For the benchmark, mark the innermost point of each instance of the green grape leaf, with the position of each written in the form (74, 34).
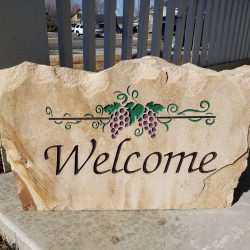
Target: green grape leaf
(138, 110)
(130, 105)
(132, 116)
(155, 107)
(135, 112)
(112, 107)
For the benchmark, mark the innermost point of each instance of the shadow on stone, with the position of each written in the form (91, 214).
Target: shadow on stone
(4, 164)
(244, 183)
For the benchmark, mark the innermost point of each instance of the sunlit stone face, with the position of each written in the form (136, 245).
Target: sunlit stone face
(145, 134)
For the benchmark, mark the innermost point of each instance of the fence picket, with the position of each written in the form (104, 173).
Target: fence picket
(247, 45)
(127, 28)
(89, 52)
(109, 33)
(220, 30)
(232, 25)
(206, 32)
(198, 31)
(236, 33)
(143, 28)
(242, 26)
(157, 28)
(213, 33)
(245, 38)
(169, 29)
(228, 15)
(189, 31)
(179, 34)
(63, 15)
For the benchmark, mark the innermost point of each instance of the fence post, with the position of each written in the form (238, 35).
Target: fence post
(143, 28)
(189, 31)
(169, 29)
(241, 29)
(127, 28)
(109, 33)
(157, 28)
(232, 25)
(236, 30)
(220, 29)
(89, 52)
(206, 32)
(198, 32)
(63, 15)
(179, 34)
(228, 16)
(247, 26)
(213, 32)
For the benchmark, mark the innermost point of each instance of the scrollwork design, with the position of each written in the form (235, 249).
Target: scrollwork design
(49, 112)
(134, 94)
(69, 124)
(138, 132)
(121, 96)
(165, 122)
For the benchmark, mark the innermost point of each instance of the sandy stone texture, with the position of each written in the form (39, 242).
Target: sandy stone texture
(199, 151)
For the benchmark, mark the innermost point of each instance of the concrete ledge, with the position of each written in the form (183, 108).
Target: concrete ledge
(160, 229)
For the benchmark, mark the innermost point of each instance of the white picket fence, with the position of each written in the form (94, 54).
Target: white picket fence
(205, 32)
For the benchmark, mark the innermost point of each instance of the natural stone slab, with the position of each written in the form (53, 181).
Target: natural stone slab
(55, 126)
(197, 229)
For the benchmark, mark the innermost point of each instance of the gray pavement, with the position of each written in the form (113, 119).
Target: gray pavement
(77, 42)
(206, 229)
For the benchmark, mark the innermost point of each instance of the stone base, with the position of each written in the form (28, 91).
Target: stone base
(227, 228)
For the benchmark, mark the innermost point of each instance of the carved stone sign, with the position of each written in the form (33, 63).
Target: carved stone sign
(144, 134)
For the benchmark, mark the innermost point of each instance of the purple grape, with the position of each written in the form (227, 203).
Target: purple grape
(119, 120)
(148, 122)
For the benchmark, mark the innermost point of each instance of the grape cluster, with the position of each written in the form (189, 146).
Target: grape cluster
(119, 120)
(148, 121)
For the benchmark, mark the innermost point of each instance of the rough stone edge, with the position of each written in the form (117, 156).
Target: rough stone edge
(14, 235)
(234, 170)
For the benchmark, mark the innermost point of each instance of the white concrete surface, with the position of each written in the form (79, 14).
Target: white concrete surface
(170, 229)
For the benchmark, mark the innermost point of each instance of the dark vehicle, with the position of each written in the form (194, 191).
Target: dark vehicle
(163, 26)
(99, 29)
